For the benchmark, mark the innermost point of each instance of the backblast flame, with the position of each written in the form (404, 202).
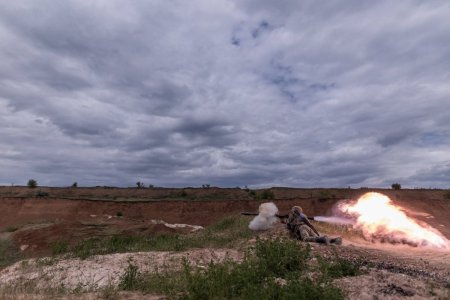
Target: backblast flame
(379, 219)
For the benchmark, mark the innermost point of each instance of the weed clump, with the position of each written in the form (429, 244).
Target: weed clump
(8, 253)
(337, 268)
(129, 279)
(11, 228)
(59, 247)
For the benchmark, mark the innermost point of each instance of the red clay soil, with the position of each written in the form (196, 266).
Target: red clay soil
(212, 204)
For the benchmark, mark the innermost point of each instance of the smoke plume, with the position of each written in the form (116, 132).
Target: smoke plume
(334, 220)
(266, 218)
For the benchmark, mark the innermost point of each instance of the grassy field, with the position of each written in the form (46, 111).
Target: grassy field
(228, 232)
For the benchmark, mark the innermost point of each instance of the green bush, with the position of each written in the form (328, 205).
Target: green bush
(41, 194)
(447, 194)
(278, 257)
(32, 183)
(396, 186)
(324, 195)
(242, 281)
(267, 194)
(258, 276)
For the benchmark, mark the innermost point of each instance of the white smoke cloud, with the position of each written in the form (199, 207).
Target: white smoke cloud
(266, 218)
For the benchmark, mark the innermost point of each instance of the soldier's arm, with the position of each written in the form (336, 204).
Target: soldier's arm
(311, 226)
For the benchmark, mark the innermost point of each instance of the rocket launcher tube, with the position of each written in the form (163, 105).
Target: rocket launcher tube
(277, 215)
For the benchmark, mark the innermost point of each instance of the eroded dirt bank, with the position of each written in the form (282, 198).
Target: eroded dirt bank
(195, 206)
(20, 210)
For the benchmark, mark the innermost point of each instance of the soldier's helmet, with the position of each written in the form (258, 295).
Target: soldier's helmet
(297, 210)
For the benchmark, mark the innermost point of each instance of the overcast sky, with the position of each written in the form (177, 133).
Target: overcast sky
(229, 93)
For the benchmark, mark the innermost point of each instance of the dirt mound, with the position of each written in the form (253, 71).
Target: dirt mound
(38, 239)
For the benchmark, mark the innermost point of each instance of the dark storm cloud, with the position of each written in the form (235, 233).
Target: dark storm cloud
(208, 133)
(436, 173)
(259, 93)
(155, 162)
(395, 137)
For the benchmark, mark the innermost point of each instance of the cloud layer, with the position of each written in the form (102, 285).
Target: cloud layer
(227, 93)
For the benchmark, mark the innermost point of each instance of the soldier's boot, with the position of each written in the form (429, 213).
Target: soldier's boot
(310, 239)
(323, 240)
(337, 241)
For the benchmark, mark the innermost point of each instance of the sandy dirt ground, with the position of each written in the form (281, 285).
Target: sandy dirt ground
(396, 273)
(389, 271)
(101, 271)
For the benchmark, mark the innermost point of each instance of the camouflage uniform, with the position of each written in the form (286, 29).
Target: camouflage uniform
(298, 225)
(298, 228)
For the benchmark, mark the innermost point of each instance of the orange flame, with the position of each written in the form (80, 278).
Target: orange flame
(380, 219)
